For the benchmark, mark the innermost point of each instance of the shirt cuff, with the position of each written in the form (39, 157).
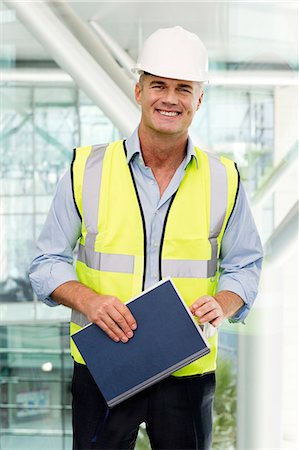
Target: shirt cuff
(49, 278)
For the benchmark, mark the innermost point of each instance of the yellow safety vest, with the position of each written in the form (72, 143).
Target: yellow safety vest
(112, 249)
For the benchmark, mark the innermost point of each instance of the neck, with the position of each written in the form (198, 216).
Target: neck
(160, 151)
(163, 154)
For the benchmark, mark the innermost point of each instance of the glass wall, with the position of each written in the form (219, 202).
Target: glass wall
(35, 387)
(40, 127)
(238, 122)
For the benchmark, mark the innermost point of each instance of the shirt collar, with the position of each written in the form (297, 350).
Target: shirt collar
(133, 149)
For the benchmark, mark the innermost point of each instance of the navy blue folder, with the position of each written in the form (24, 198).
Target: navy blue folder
(167, 338)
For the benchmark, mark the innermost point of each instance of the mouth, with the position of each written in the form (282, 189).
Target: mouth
(168, 113)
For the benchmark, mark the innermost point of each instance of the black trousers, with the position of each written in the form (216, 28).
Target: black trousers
(177, 413)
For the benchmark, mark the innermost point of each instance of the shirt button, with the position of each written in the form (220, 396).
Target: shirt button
(155, 275)
(152, 182)
(155, 244)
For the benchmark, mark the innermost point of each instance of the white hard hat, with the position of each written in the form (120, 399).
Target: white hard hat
(174, 53)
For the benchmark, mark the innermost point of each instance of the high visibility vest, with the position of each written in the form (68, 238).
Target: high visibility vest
(112, 249)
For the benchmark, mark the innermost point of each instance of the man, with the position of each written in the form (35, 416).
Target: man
(149, 207)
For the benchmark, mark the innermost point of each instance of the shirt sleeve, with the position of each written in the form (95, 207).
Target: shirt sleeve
(241, 256)
(53, 261)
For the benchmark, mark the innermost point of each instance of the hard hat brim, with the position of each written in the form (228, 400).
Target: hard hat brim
(199, 76)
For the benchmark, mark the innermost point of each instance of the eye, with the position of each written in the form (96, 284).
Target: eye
(185, 89)
(157, 86)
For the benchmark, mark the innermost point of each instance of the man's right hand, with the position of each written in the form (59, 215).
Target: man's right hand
(112, 316)
(106, 311)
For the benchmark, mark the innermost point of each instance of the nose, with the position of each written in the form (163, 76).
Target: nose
(170, 97)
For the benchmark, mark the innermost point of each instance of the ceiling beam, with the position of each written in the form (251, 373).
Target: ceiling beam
(72, 57)
(95, 47)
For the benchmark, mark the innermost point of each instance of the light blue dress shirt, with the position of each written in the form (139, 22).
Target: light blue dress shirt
(241, 251)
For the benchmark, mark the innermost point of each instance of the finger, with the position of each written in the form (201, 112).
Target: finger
(216, 322)
(121, 321)
(107, 330)
(210, 316)
(112, 329)
(200, 302)
(111, 308)
(204, 309)
(128, 316)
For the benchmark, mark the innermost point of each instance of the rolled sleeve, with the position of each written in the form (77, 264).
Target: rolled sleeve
(53, 262)
(46, 275)
(241, 257)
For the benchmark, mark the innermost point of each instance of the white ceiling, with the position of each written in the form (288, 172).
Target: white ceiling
(236, 31)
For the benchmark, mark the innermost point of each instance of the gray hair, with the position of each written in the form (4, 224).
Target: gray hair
(142, 75)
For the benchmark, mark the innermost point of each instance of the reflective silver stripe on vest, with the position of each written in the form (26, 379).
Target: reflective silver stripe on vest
(218, 205)
(107, 262)
(90, 206)
(218, 197)
(79, 318)
(182, 268)
(91, 192)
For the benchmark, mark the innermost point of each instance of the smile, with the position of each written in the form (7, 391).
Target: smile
(168, 113)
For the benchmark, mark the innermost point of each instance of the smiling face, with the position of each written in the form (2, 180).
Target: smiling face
(168, 105)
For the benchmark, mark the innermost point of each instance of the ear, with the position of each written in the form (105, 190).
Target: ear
(199, 101)
(138, 90)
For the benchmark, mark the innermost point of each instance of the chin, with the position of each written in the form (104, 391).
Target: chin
(172, 131)
(166, 129)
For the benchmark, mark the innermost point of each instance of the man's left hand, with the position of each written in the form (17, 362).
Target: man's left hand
(207, 309)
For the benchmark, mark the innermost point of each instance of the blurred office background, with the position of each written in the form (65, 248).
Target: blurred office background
(65, 81)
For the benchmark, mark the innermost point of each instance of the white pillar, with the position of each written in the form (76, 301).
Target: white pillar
(259, 389)
(119, 53)
(285, 120)
(94, 46)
